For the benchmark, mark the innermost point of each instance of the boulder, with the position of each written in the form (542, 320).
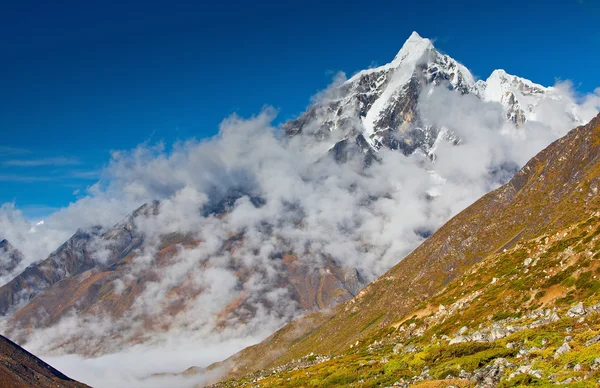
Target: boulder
(577, 311)
(488, 376)
(592, 340)
(564, 348)
(458, 340)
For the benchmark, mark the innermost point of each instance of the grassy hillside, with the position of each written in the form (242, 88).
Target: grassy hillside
(507, 316)
(521, 251)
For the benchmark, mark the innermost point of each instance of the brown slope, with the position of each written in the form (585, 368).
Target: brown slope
(21, 369)
(72, 258)
(559, 186)
(93, 294)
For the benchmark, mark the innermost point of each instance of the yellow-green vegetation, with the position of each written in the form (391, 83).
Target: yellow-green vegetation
(527, 294)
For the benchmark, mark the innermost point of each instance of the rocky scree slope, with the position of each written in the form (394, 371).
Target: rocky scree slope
(548, 212)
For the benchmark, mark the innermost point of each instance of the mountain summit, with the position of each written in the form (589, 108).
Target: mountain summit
(414, 47)
(379, 107)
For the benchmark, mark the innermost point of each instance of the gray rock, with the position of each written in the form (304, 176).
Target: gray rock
(458, 340)
(537, 373)
(564, 348)
(479, 336)
(577, 311)
(592, 340)
(410, 349)
(497, 333)
(523, 369)
(552, 317)
(397, 348)
(488, 376)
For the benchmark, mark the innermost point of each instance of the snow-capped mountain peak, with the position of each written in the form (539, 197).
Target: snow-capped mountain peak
(378, 107)
(413, 49)
(519, 96)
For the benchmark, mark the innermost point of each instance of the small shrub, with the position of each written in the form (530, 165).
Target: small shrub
(522, 380)
(447, 352)
(568, 282)
(559, 277)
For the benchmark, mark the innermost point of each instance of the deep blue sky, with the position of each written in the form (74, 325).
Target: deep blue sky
(80, 78)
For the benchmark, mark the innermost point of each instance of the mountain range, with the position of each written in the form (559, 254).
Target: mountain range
(108, 288)
(379, 107)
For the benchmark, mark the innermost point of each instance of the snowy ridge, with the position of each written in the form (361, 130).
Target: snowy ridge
(519, 96)
(411, 52)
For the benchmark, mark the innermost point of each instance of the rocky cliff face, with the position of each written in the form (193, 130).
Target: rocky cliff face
(10, 258)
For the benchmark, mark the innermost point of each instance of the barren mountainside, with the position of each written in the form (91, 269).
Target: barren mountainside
(73, 280)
